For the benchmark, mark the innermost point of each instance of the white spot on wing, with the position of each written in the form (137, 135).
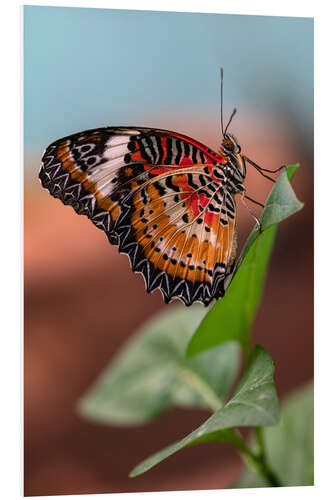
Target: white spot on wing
(115, 150)
(117, 140)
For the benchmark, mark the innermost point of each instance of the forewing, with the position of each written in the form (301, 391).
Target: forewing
(156, 194)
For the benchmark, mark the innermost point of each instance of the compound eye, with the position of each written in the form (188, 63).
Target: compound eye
(228, 144)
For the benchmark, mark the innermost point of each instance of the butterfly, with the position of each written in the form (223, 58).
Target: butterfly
(165, 199)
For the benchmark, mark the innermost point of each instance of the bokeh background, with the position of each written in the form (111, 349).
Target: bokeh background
(86, 68)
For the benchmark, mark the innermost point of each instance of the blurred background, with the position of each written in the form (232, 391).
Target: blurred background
(86, 68)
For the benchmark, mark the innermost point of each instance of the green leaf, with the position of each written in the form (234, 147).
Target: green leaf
(232, 316)
(289, 444)
(254, 403)
(151, 373)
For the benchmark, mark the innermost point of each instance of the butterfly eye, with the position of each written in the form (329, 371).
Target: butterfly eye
(228, 144)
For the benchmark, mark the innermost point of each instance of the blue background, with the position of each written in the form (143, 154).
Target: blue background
(88, 68)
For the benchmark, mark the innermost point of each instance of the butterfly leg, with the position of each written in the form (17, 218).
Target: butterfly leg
(250, 211)
(261, 170)
(254, 201)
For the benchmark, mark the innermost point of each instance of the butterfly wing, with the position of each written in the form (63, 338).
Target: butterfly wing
(160, 196)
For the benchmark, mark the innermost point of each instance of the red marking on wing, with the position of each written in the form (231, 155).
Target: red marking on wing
(209, 218)
(186, 162)
(193, 199)
(203, 199)
(164, 147)
(158, 170)
(137, 157)
(194, 202)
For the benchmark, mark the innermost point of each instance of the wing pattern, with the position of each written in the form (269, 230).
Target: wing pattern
(162, 197)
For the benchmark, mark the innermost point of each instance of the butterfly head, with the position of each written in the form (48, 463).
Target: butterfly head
(230, 145)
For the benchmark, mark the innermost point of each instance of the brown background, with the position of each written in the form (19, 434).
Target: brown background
(82, 302)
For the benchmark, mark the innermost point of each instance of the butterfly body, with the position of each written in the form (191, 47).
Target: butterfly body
(166, 200)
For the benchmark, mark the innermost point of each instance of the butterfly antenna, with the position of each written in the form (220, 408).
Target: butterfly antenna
(230, 119)
(221, 70)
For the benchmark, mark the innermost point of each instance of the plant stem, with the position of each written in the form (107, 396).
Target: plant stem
(257, 460)
(260, 442)
(271, 476)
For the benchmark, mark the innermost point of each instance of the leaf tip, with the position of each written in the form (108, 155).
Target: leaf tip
(139, 469)
(291, 169)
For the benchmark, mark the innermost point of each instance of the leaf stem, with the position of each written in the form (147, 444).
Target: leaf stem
(271, 476)
(257, 460)
(260, 441)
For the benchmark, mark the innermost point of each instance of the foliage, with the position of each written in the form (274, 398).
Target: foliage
(162, 366)
(254, 403)
(151, 373)
(289, 444)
